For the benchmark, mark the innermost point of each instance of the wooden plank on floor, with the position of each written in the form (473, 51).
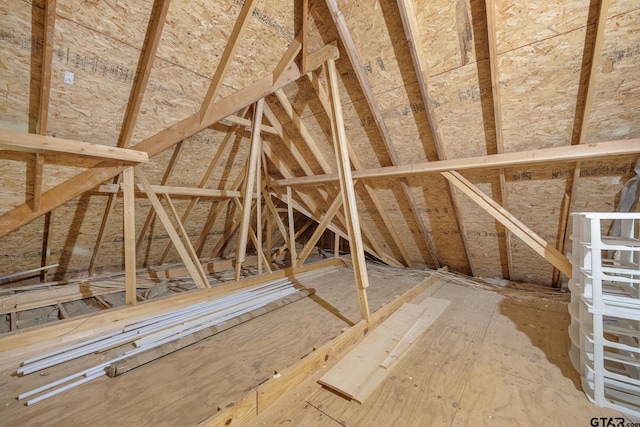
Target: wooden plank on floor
(434, 373)
(434, 308)
(359, 373)
(270, 391)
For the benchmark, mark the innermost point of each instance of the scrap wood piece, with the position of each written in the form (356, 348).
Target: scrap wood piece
(359, 373)
(130, 363)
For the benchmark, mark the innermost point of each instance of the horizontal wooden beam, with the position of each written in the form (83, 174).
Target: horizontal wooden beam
(56, 295)
(534, 241)
(18, 141)
(492, 161)
(177, 191)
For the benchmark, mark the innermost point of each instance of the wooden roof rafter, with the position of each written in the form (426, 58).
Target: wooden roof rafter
(231, 133)
(136, 95)
(584, 123)
(410, 24)
(145, 64)
(347, 40)
(45, 92)
(326, 167)
(318, 156)
(227, 58)
(497, 114)
(312, 210)
(323, 96)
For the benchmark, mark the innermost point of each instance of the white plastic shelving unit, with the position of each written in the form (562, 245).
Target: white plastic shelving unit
(605, 309)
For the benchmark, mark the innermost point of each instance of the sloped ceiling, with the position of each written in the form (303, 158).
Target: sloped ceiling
(543, 54)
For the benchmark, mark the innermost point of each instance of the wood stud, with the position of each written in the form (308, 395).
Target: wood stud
(254, 154)
(347, 190)
(497, 112)
(129, 236)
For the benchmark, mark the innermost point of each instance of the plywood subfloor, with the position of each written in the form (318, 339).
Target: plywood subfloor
(489, 359)
(190, 385)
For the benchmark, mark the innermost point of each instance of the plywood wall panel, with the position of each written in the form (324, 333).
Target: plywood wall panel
(15, 191)
(485, 236)
(75, 229)
(451, 33)
(254, 60)
(464, 110)
(21, 41)
(125, 21)
(522, 23)
(434, 205)
(172, 94)
(303, 97)
(406, 119)
(534, 196)
(92, 108)
(196, 33)
(539, 87)
(600, 183)
(404, 221)
(196, 155)
(616, 102)
(22, 249)
(379, 38)
(59, 168)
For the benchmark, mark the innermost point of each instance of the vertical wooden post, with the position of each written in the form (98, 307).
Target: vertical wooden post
(336, 245)
(305, 34)
(259, 206)
(48, 225)
(129, 236)
(292, 230)
(347, 190)
(254, 154)
(37, 181)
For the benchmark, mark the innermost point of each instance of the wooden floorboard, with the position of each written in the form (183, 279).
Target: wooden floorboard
(190, 385)
(490, 359)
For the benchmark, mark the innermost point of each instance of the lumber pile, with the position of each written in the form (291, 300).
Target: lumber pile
(159, 335)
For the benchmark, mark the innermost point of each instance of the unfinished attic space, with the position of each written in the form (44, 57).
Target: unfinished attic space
(319, 212)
